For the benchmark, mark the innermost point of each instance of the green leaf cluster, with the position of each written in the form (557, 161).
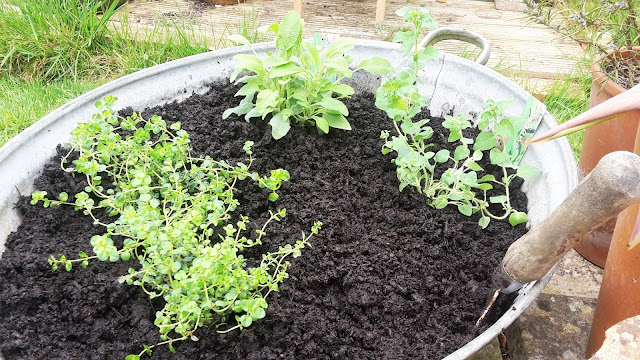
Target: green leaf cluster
(298, 83)
(398, 95)
(173, 212)
(462, 183)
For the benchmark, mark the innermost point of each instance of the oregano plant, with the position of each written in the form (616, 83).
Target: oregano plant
(461, 182)
(172, 212)
(298, 83)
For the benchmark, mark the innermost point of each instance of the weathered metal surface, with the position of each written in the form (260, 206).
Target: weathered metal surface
(451, 83)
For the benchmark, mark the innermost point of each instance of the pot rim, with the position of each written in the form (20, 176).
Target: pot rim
(601, 79)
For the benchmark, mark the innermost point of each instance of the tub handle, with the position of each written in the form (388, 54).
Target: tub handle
(452, 33)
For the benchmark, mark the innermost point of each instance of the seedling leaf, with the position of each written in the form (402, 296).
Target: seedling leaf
(238, 39)
(279, 126)
(442, 156)
(334, 105)
(377, 65)
(517, 218)
(527, 171)
(337, 121)
(485, 141)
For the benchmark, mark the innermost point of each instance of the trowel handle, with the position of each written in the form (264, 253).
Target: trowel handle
(611, 187)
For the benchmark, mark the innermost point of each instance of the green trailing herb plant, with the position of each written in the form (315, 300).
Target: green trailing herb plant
(461, 183)
(298, 83)
(172, 212)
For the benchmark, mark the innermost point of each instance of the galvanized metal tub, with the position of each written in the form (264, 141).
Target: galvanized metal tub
(453, 84)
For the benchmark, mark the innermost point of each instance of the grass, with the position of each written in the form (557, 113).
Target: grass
(22, 102)
(53, 55)
(137, 46)
(568, 97)
(55, 39)
(249, 25)
(56, 50)
(565, 98)
(51, 39)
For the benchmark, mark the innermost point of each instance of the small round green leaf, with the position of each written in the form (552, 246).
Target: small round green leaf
(461, 152)
(376, 65)
(465, 209)
(517, 218)
(259, 314)
(279, 126)
(498, 157)
(440, 202)
(474, 166)
(527, 171)
(246, 321)
(125, 256)
(504, 129)
(485, 141)
(442, 156)
(484, 222)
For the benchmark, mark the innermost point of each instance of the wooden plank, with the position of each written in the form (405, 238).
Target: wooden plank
(517, 46)
(297, 6)
(381, 7)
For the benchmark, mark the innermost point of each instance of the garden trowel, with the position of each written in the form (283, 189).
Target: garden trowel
(611, 187)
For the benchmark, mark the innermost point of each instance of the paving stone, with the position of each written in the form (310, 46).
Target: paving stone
(575, 276)
(622, 341)
(557, 324)
(553, 327)
(510, 5)
(490, 352)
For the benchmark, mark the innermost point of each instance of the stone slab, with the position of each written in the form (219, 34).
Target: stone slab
(622, 341)
(557, 324)
(510, 5)
(575, 276)
(553, 327)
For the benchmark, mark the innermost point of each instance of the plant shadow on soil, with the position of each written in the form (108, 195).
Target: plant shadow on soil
(388, 277)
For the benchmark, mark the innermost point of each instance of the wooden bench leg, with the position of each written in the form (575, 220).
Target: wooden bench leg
(297, 6)
(380, 10)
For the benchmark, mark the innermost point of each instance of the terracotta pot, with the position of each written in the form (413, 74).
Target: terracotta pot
(616, 134)
(619, 296)
(223, 2)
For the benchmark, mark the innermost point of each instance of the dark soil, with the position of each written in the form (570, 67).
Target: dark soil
(387, 278)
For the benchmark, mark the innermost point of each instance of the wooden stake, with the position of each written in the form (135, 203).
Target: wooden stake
(380, 10)
(297, 6)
